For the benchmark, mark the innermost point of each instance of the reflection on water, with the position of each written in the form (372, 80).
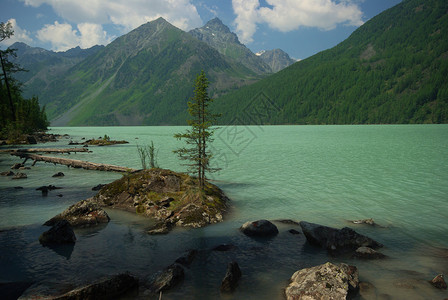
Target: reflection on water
(324, 174)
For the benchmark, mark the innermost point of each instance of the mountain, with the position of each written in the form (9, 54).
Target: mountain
(219, 36)
(145, 77)
(276, 59)
(44, 66)
(392, 69)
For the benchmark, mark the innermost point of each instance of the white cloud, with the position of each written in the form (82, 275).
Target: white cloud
(63, 37)
(127, 13)
(20, 35)
(288, 15)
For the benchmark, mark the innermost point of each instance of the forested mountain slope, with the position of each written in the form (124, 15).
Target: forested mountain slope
(142, 78)
(393, 69)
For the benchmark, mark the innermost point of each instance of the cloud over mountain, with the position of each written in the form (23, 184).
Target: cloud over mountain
(288, 15)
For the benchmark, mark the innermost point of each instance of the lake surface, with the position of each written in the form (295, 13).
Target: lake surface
(397, 175)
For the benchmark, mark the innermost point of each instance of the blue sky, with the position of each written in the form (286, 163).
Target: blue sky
(299, 27)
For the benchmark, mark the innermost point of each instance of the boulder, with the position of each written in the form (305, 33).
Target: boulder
(60, 233)
(83, 213)
(260, 228)
(7, 173)
(59, 174)
(168, 278)
(327, 281)
(336, 240)
(368, 253)
(20, 176)
(439, 282)
(233, 275)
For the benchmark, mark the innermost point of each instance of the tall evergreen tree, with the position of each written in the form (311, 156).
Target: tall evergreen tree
(199, 136)
(17, 115)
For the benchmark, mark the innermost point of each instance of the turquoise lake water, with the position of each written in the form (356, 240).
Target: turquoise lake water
(397, 175)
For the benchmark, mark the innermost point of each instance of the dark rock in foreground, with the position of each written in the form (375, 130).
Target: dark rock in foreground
(336, 240)
(327, 281)
(59, 174)
(260, 228)
(233, 275)
(60, 233)
(169, 278)
(439, 282)
(83, 213)
(109, 287)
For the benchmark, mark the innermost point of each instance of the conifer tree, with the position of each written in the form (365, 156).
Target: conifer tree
(199, 136)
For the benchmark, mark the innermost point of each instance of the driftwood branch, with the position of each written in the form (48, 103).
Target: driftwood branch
(74, 163)
(46, 150)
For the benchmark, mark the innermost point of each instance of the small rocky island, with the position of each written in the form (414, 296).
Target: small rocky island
(171, 198)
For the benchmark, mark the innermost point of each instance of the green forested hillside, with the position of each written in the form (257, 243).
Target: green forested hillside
(142, 78)
(393, 69)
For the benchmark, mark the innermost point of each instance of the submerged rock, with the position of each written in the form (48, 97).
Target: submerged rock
(260, 228)
(369, 221)
(187, 259)
(59, 174)
(336, 240)
(60, 233)
(439, 282)
(98, 187)
(160, 228)
(83, 213)
(327, 281)
(233, 275)
(368, 253)
(168, 278)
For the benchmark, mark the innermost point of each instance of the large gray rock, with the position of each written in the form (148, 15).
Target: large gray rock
(233, 275)
(260, 228)
(60, 233)
(336, 240)
(327, 281)
(169, 278)
(83, 213)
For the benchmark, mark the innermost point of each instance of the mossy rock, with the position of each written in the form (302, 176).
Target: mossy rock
(145, 192)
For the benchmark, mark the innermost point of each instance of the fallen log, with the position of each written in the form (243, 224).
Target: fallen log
(47, 150)
(74, 163)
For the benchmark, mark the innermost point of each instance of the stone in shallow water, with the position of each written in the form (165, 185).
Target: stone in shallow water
(327, 281)
(233, 275)
(60, 233)
(336, 240)
(83, 213)
(368, 253)
(168, 278)
(439, 282)
(260, 228)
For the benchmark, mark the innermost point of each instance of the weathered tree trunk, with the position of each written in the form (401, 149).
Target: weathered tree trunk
(72, 162)
(47, 150)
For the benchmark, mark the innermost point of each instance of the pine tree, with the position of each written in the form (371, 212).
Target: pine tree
(199, 136)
